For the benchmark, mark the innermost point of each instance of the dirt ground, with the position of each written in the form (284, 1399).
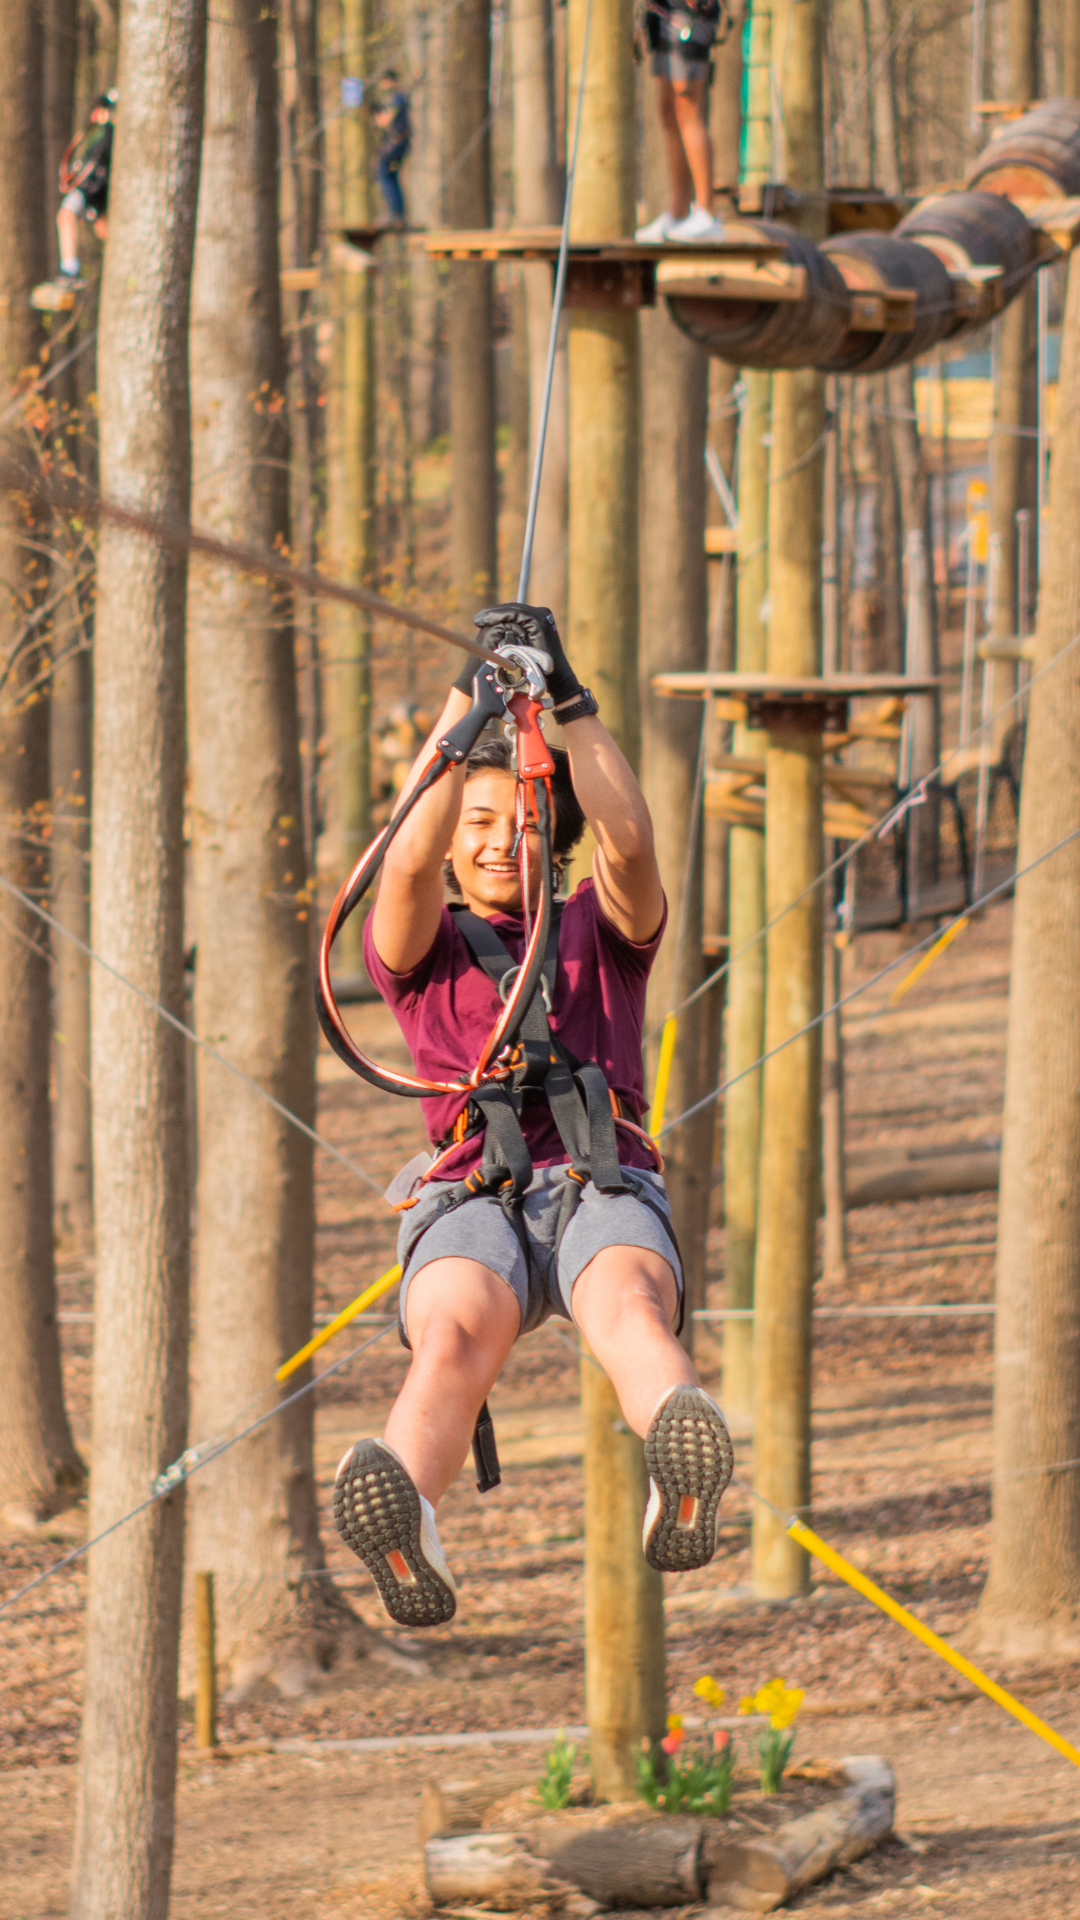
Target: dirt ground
(989, 1817)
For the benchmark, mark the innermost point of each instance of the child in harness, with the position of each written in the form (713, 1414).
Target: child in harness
(546, 1196)
(84, 187)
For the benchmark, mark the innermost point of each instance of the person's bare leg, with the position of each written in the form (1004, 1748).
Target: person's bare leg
(462, 1320)
(680, 182)
(692, 129)
(67, 233)
(625, 1302)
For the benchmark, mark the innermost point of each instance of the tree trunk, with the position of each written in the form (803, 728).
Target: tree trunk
(60, 20)
(1031, 1605)
(124, 1829)
(70, 744)
(351, 462)
(474, 507)
(40, 1471)
(303, 165)
(674, 635)
(538, 195)
(253, 1520)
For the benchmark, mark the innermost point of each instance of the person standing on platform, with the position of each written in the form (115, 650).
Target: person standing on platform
(392, 117)
(679, 36)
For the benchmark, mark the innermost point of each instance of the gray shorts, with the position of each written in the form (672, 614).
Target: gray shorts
(479, 1229)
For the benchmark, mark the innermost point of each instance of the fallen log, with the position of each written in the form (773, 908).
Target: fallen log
(759, 1875)
(494, 1868)
(654, 1864)
(882, 1177)
(459, 1806)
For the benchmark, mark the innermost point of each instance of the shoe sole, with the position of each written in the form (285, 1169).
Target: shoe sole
(689, 1457)
(377, 1513)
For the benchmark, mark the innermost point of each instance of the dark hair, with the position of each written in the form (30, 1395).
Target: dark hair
(493, 756)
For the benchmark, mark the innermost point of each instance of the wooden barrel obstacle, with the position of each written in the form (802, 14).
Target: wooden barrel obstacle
(880, 263)
(984, 242)
(859, 302)
(1036, 157)
(798, 314)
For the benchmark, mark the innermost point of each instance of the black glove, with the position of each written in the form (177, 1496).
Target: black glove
(532, 627)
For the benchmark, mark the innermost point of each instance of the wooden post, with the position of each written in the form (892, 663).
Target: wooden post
(791, 1081)
(624, 1634)
(745, 1013)
(351, 463)
(674, 634)
(832, 1117)
(205, 1663)
(744, 1018)
(474, 504)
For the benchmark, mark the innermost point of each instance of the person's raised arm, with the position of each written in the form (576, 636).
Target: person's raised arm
(625, 873)
(405, 917)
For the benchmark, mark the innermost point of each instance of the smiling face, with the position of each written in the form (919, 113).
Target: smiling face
(481, 851)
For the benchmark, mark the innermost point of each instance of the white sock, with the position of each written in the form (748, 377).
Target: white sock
(70, 266)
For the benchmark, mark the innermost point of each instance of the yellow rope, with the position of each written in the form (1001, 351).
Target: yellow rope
(931, 955)
(364, 1300)
(930, 1639)
(668, 1036)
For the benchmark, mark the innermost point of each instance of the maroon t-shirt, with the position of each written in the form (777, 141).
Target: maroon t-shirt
(446, 1007)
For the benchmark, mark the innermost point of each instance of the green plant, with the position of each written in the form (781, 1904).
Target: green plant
(774, 1744)
(672, 1776)
(553, 1786)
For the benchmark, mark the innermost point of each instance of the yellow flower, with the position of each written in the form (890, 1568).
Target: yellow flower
(707, 1690)
(674, 1723)
(781, 1703)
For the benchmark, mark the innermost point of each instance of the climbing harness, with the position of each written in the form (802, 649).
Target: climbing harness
(520, 1062)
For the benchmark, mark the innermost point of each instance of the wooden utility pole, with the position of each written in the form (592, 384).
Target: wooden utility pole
(674, 634)
(538, 202)
(124, 1825)
(474, 508)
(350, 450)
(1031, 1605)
(1013, 447)
(624, 1622)
(744, 1028)
(791, 1085)
(40, 1470)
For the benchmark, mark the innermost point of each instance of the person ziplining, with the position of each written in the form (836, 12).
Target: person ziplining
(679, 36)
(84, 187)
(524, 1016)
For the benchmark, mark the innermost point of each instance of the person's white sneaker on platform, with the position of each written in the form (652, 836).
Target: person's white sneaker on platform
(698, 225)
(657, 230)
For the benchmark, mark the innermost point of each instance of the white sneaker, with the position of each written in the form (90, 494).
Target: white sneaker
(386, 1521)
(698, 225)
(658, 229)
(689, 1458)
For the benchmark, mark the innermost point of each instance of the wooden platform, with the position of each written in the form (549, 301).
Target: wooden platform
(542, 243)
(780, 702)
